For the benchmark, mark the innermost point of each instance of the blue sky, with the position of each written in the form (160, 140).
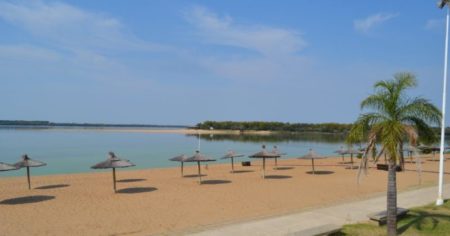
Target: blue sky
(183, 62)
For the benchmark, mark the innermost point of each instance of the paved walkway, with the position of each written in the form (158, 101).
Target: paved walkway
(338, 215)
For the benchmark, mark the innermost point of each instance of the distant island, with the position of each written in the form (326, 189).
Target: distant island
(36, 123)
(275, 126)
(332, 128)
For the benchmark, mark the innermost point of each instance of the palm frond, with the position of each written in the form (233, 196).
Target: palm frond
(426, 134)
(423, 109)
(361, 127)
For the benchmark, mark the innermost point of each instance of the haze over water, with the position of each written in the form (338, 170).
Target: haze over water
(75, 150)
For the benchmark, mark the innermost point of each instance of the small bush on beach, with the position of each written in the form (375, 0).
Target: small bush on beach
(427, 220)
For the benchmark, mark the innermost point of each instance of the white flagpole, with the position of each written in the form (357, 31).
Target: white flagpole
(440, 199)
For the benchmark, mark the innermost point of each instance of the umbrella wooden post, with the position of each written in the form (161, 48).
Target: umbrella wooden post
(351, 157)
(343, 160)
(114, 179)
(199, 173)
(276, 164)
(312, 160)
(182, 164)
(232, 165)
(28, 177)
(264, 168)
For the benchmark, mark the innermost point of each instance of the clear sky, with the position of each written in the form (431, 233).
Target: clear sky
(183, 62)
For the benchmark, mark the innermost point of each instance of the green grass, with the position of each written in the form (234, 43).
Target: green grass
(426, 220)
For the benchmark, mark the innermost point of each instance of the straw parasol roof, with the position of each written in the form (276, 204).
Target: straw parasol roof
(113, 162)
(27, 162)
(6, 167)
(198, 157)
(263, 154)
(312, 155)
(341, 152)
(231, 155)
(181, 158)
(277, 151)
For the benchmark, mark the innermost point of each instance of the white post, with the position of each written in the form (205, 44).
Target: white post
(440, 199)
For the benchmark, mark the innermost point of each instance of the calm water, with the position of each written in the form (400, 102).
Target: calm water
(74, 151)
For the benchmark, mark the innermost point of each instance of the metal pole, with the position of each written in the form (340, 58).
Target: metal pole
(440, 199)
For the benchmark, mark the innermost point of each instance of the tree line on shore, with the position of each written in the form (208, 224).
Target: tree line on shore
(335, 128)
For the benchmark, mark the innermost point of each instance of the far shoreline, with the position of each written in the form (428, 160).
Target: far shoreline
(159, 130)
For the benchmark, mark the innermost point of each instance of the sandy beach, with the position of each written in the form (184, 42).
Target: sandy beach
(159, 201)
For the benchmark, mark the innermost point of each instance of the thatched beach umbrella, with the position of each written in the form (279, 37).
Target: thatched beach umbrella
(277, 151)
(432, 149)
(198, 157)
(6, 167)
(181, 158)
(352, 152)
(312, 155)
(113, 162)
(28, 162)
(263, 154)
(231, 155)
(341, 152)
(410, 150)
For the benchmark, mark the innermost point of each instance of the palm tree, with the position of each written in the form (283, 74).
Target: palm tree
(394, 118)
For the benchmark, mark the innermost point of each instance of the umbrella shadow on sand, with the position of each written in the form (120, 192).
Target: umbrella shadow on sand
(130, 180)
(215, 181)
(137, 190)
(285, 168)
(53, 186)
(242, 171)
(278, 176)
(320, 172)
(27, 199)
(193, 176)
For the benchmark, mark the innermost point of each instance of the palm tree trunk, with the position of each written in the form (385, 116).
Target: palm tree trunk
(402, 157)
(392, 199)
